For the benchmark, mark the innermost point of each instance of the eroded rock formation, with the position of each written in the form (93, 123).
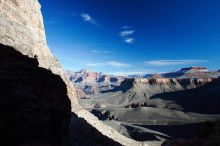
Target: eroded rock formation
(22, 27)
(92, 82)
(151, 92)
(34, 106)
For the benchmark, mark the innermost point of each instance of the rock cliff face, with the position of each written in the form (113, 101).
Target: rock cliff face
(35, 92)
(141, 91)
(149, 87)
(21, 26)
(34, 106)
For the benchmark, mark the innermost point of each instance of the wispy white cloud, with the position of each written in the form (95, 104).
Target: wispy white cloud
(101, 52)
(87, 18)
(109, 63)
(127, 27)
(172, 62)
(126, 34)
(95, 64)
(132, 72)
(129, 40)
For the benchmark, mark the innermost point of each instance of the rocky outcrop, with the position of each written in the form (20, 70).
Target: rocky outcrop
(34, 106)
(21, 26)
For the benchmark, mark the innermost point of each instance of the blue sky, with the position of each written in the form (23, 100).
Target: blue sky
(133, 36)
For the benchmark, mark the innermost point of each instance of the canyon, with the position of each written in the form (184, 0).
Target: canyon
(148, 108)
(39, 104)
(43, 105)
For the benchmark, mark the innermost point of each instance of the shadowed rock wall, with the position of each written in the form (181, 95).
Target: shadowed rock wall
(34, 106)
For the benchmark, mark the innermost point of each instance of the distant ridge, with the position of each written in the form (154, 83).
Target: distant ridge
(93, 82)
(188, 72)
(192, 72)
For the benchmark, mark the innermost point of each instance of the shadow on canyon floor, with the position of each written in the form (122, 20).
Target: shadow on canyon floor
(207, 135)
(204, 99)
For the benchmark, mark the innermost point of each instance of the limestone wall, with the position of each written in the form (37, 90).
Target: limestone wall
(22, 27)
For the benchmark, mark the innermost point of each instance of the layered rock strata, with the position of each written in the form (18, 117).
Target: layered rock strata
(21, 26)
